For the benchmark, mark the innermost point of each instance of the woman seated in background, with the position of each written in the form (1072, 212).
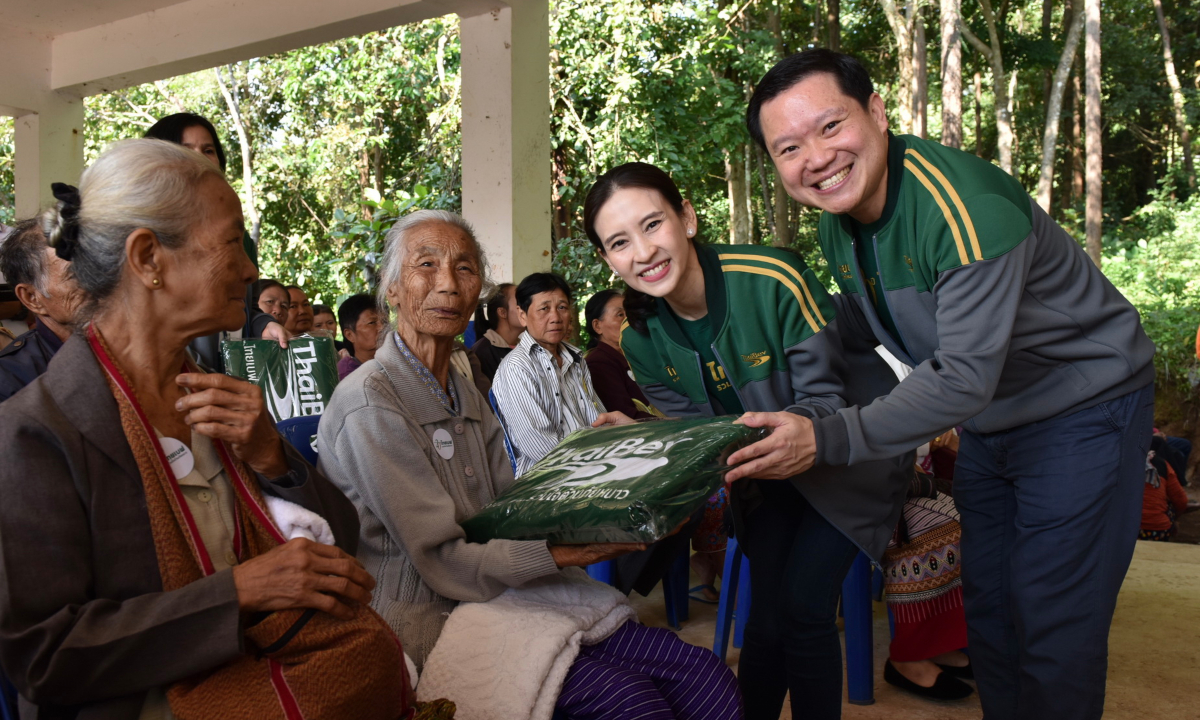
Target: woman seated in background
(498, 327)
(271, 298)
(543, 388)
(413, 445)
(324, 322)
(141, 572)
(1163, 499)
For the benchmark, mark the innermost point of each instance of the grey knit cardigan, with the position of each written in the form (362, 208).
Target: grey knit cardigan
(375, 442)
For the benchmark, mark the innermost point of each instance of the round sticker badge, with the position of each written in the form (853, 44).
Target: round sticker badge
(181, 458)
(443, 443)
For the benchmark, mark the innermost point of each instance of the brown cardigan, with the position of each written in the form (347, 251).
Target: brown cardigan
(85, 629)
(610, 376)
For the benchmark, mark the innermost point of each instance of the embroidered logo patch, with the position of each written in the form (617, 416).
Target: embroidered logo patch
(758, 358)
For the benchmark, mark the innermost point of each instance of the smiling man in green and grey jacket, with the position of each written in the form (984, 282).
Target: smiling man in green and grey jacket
(1015, 335)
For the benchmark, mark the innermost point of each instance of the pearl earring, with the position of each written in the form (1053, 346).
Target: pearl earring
(691, 232)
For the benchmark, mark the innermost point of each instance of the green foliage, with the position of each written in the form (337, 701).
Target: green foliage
(7, 151)
(1154, 262)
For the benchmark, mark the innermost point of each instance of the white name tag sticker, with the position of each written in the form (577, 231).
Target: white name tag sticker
(182, 460)
(443, 443)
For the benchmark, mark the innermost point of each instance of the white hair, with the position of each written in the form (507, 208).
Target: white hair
(395, 249)
(134, 184)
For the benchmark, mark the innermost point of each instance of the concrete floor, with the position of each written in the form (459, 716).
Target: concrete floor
(1154, 647)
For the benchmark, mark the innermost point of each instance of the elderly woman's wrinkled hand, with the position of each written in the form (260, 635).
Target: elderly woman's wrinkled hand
(232, 410)
(584, 555)
(303, 574)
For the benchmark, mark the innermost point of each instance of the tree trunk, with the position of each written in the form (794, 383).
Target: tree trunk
(902, 31)
(1047, 79)
(227, 91)
(921, 79)
(1077, 147)
(768, 199)
(952, 131)
(1093, 215)
(735, 178)
(1000, 79)
(833, 23)
(1185, 137)
(1054, 111)
(978, 114)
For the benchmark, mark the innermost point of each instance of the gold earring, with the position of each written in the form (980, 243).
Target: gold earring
(155, 281)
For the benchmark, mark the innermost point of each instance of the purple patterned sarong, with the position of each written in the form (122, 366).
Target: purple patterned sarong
(642, 673)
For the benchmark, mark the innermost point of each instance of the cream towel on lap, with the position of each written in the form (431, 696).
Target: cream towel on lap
(507, 658)
(294, 521)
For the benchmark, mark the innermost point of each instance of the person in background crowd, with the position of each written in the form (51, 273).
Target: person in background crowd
(603, 316)
(300, 311)
(501, 328)
(42, 282)
(324, 322)
(196, 133)
(543, 388)
(272, 298)
(377, 442)
(361, 322)
(1013, 333)
(114, 606)
(1178, 452)
(1163, 499)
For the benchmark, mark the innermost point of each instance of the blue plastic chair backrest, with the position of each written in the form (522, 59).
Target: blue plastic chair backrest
(301, 432)
(512, 458)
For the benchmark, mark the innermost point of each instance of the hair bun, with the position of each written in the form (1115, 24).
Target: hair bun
(62, 232)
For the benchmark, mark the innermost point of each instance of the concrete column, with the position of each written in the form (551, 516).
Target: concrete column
(506, 135)
(49, 148)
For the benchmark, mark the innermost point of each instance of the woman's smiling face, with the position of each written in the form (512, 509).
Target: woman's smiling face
(645, 240)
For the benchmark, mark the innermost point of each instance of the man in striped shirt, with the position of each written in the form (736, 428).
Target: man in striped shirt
(543, 389)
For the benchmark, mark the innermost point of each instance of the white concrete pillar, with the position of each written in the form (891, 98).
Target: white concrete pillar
(506, 135)
(49, 148)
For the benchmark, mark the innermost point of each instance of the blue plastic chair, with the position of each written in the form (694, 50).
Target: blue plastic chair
(512, 457)
(734, 609)
(675, 586)
(301, 432)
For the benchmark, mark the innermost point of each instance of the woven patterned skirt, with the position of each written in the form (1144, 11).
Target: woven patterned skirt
(923, 581)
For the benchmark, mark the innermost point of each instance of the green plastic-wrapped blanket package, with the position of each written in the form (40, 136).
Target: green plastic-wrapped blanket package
(295, 382)
(625, 483)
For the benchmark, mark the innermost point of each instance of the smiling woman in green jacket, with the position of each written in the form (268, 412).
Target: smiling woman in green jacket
(715, 329)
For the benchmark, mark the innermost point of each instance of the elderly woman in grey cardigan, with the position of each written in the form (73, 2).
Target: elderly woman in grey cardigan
(415, 447)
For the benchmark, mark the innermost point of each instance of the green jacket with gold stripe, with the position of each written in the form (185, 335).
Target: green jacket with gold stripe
(775, 335)
(1002, 315)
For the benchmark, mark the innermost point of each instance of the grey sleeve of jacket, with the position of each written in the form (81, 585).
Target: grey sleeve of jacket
(60, 644)
(308, 488)
(977, 306)
(816, 369)
(671, 403)
(376, 449)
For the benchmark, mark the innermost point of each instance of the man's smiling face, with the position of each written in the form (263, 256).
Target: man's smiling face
(830, 151)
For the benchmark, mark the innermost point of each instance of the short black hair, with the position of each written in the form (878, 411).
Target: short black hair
(171, 129)
(486, 313)
(851, 77)
(322, 310)
(352, 309)
(23, 255)
(264, 284)
(290, 288)
(540, 283)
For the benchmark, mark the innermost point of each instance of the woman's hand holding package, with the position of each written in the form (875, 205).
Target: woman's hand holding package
(232, 410)
(303, 574)
(789, 450)
(584, 555)
(613, 417)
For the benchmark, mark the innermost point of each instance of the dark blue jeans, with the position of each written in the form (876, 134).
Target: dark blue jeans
(1050, 515)
(797, 564)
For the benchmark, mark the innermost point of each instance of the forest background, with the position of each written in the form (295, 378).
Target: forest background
(329, 144)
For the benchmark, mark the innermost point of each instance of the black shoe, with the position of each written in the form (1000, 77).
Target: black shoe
(944, 688)
(966, 672)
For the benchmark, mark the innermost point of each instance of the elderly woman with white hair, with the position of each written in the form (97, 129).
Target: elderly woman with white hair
(141, 575)
(415, 447)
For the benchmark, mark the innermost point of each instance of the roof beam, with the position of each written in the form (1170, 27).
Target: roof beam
(199, 34)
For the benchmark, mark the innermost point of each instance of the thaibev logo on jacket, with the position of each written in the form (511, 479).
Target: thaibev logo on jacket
(589, 469)
(295, 382)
